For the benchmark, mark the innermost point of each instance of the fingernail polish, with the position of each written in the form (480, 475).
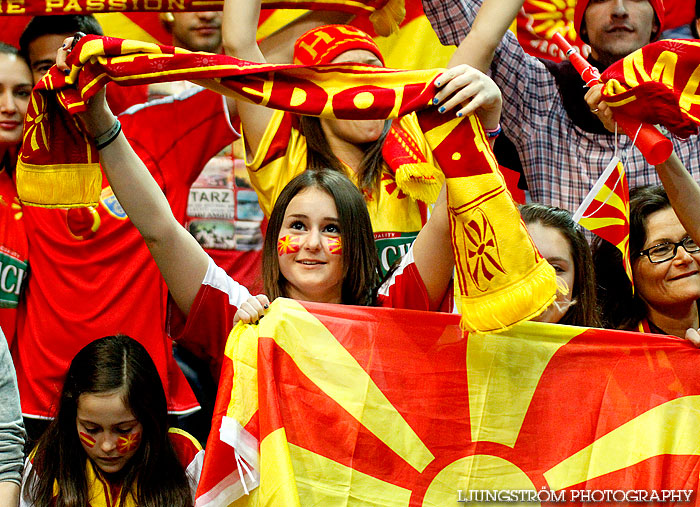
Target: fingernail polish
(63, 46)
(459, 115)
(441, 109)
(66, 72)
(437, 83)
(266, 307)
(435, 101)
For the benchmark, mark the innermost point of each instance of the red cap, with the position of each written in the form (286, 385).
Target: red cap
(581, 5)
(321, 45)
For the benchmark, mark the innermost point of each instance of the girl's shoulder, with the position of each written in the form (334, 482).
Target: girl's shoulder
(190, 454)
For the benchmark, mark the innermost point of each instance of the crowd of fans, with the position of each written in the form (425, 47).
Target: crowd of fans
(202, 224)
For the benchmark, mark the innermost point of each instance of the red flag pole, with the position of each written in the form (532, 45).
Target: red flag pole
(653, 145)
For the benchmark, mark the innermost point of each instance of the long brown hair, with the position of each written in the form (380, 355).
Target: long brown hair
(585, 312)
(113, 363)
(320, 156)
(361, 278)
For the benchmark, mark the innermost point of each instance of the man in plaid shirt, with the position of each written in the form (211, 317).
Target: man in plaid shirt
(562, 145)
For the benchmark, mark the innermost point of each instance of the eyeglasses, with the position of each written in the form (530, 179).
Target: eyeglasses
(666, 251)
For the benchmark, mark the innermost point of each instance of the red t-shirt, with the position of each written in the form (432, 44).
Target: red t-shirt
(13, 255)
(92, 275)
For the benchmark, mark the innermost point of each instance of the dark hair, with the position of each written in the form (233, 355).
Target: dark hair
(361, 278)
(57, 25)
(113, 363)
(585, 312)
(621, 307)
(320, 156)
(693, 24)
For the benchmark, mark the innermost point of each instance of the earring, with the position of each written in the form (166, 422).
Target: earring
(168, 17)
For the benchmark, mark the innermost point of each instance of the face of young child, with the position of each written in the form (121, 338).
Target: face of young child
(309, 248)
(108, 430)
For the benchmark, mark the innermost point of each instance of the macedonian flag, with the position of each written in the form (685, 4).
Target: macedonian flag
(605, 211)
(658, 84)
(344, 406)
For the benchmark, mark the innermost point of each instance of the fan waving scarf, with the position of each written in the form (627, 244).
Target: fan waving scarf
(385, 15)
(658, 84)
(340, 406)
(502, 277)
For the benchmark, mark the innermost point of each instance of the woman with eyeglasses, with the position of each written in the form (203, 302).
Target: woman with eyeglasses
(665, 268)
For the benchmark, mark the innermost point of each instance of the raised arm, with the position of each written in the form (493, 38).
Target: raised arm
(239, 29)
(490, 25)
(179, 257)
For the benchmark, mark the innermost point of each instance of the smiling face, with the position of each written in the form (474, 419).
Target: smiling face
(671, 286)
(616, 28)
(308, 251)
(197, 31)
(15, 89)
(108, 430)
(555, 249)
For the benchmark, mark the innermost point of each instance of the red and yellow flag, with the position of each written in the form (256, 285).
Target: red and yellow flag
(606, 210)
(334, 405)
(658, 84)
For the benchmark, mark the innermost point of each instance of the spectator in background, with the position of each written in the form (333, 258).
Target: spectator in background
(115, 287)
(43, 35)
(561, 242)
(665, 267)
(15, 88)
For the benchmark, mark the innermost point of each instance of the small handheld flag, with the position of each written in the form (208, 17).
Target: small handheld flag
(606, 210)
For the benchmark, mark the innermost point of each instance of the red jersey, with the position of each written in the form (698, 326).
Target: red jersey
(13, 255)
(92, 275)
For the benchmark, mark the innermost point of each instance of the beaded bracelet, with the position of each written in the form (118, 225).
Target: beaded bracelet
(108, 137)
(493, 133)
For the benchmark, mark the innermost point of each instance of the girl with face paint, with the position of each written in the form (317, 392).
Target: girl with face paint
(109, 443)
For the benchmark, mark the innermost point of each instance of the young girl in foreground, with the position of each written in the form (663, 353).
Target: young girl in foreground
(109, 444)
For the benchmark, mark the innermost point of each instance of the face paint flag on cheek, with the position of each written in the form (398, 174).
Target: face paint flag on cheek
(86, 439)
(288, 244)
(335, 246)
(128, 443)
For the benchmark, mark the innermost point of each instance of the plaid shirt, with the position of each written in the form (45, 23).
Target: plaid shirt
(561, 161)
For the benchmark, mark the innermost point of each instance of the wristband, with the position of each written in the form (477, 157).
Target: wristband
(493, 133)
(108, 137)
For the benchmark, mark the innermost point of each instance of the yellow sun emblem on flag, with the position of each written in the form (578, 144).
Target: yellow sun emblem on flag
(483, 254)
(495, 417)
(34, 127)
(545, 18)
